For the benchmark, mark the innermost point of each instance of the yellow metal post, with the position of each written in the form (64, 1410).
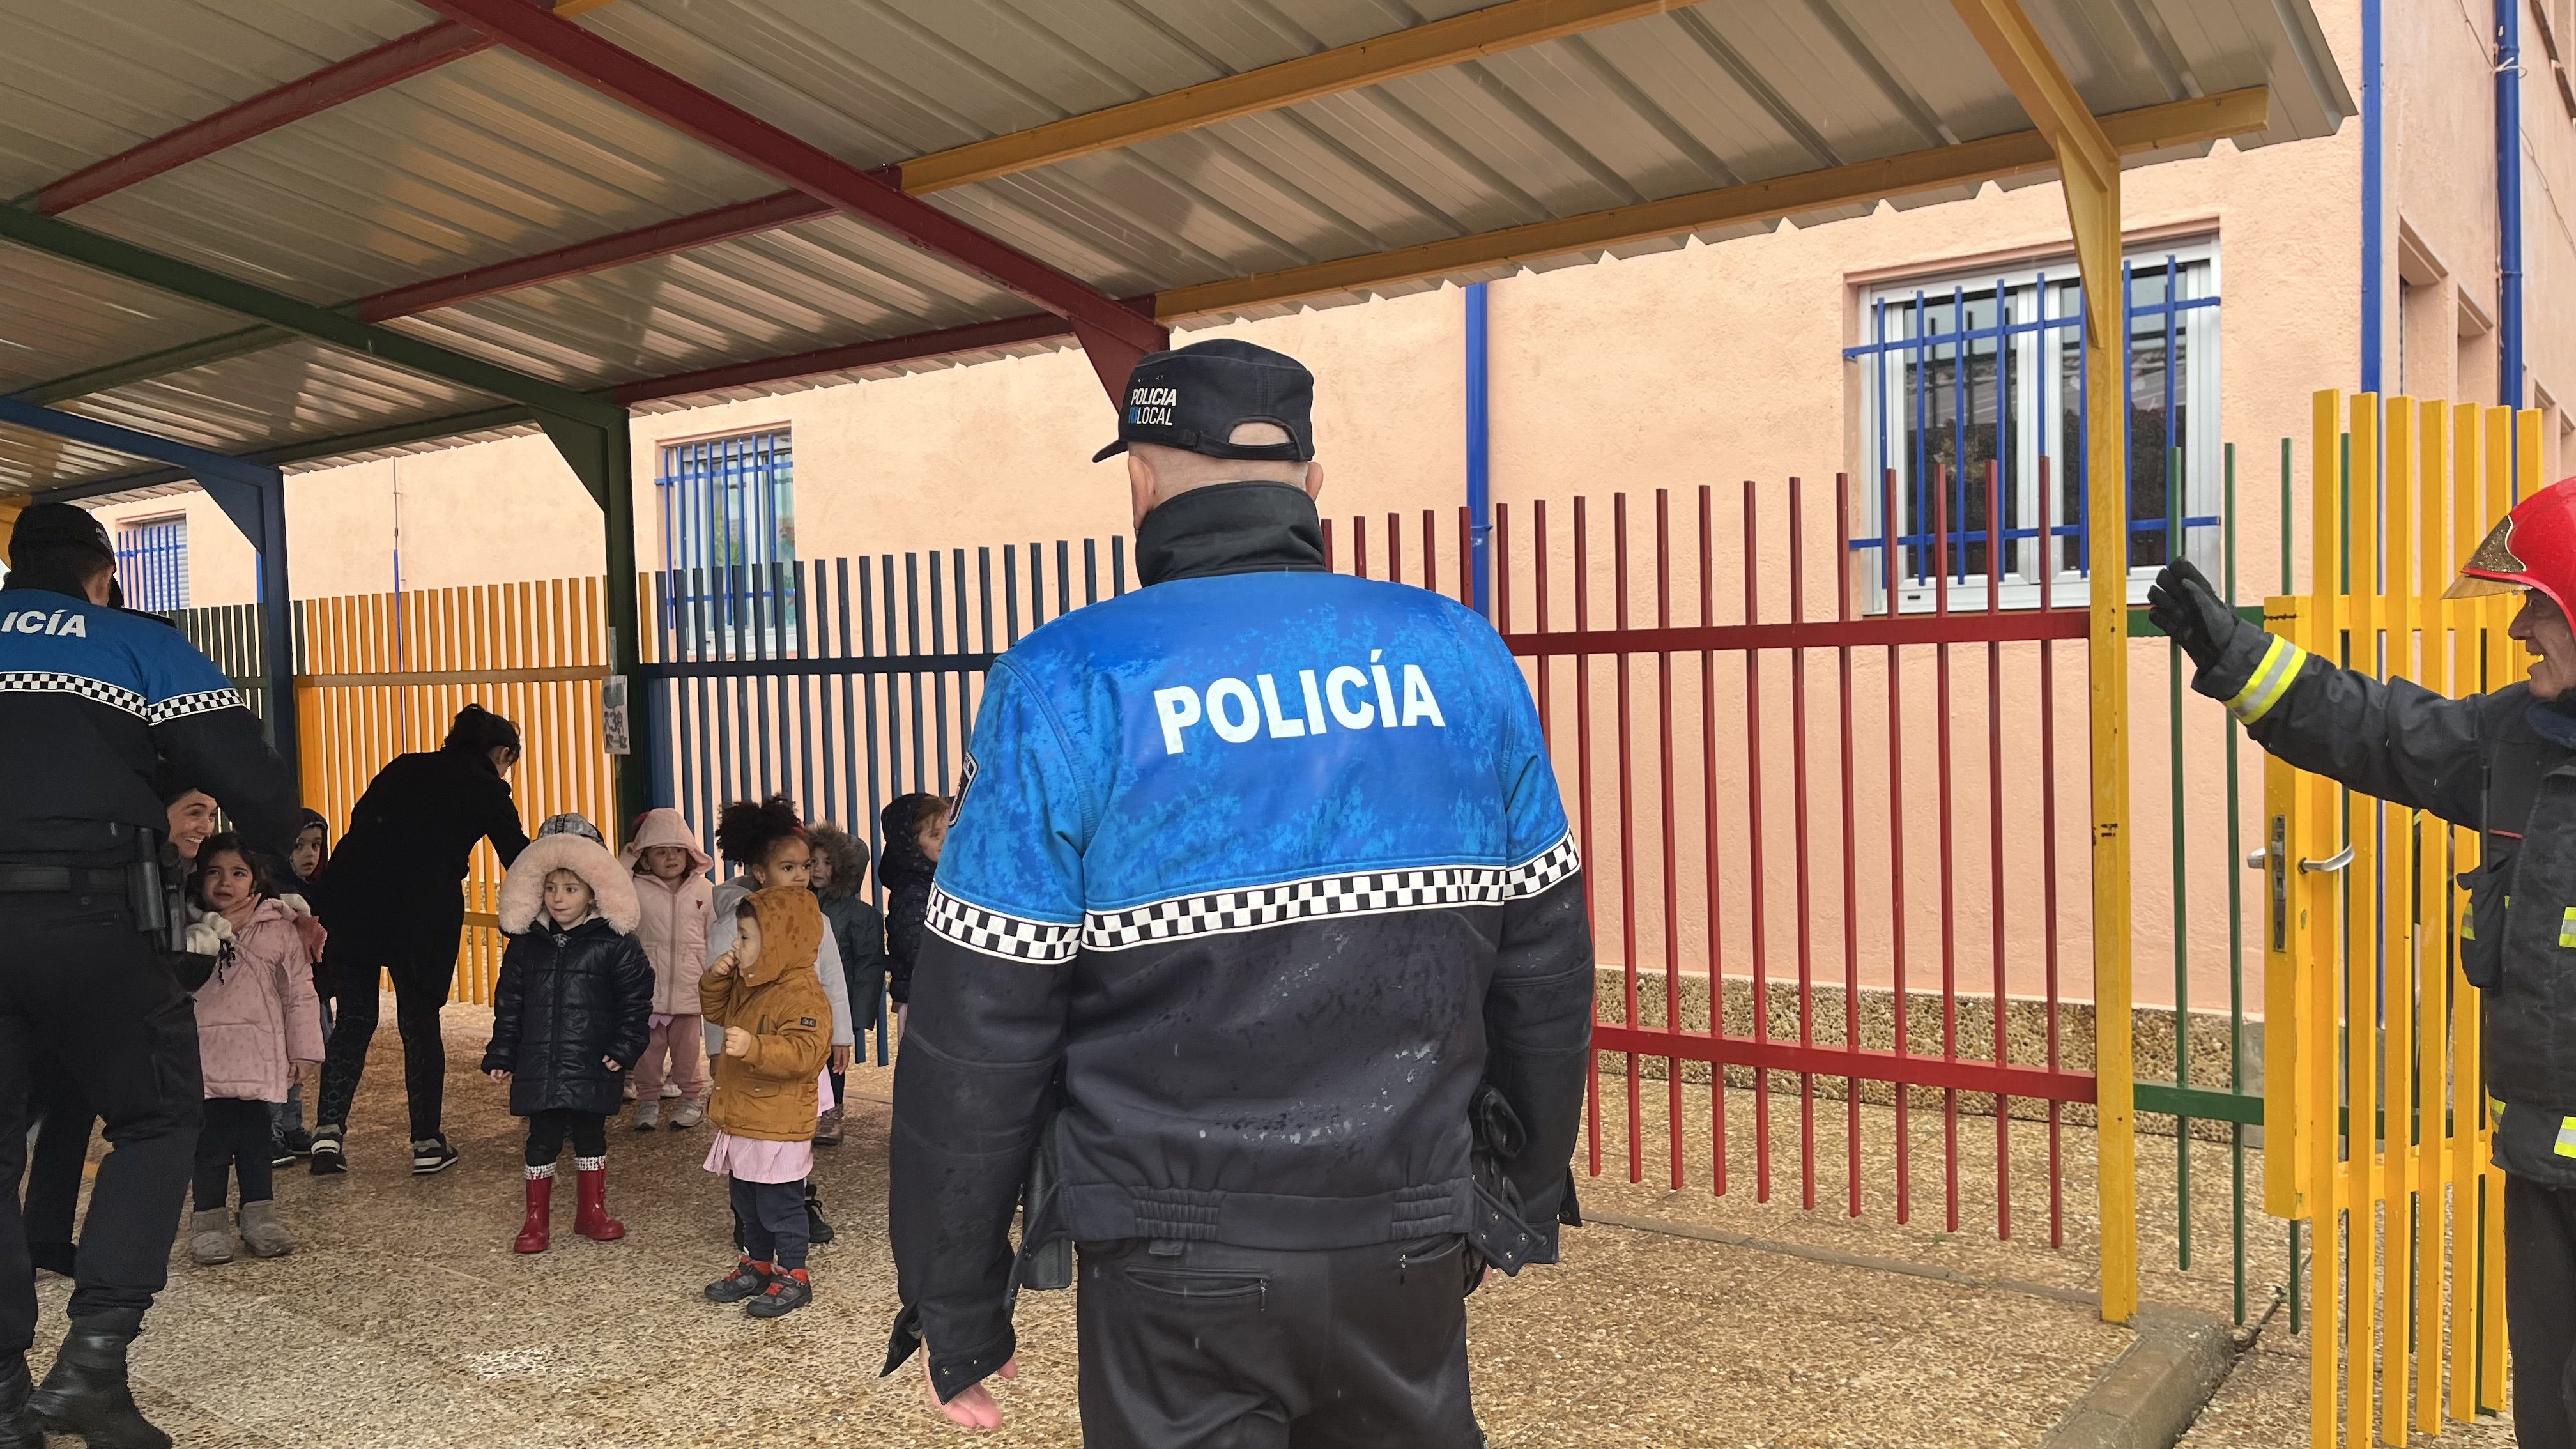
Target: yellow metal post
(2319, 918)
(2434, 936)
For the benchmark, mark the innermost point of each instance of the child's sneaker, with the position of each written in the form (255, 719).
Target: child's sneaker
(649, 1116)
(278, 1155)
(430, 1155)
(689, 1113)
(298, 1141)
(817, 1231)
(786, 1293)
(747, 1280)
(328, 1160)
(670, 1089)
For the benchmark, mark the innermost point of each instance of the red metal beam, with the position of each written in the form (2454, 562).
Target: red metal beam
(743, 218)
(1870, 1064)
(1114, 334)
(914, 347)
(2018, 627)
(396, 60)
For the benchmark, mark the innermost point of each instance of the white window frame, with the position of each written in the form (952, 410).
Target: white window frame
(2038, 391)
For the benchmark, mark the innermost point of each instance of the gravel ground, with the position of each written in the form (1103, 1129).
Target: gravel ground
(405, 1320)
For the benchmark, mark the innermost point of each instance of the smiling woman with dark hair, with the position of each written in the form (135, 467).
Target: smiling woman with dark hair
(396, 905)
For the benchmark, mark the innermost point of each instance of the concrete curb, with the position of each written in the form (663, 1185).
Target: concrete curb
(2150, 1394)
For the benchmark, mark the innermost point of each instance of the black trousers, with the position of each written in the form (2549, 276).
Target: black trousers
(423, 967)
(235, 1141)
(547, 1130)
(2540, 1311)
(772, 1217)
(1206, 1346)
(54, 1166)
(74, 970)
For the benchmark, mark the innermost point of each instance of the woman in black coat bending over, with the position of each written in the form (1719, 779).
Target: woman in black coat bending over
(396, 905)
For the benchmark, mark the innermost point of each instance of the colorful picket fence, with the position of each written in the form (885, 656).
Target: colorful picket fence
(2377, 1129)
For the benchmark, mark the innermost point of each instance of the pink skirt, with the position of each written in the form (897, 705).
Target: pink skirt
(755, 1159)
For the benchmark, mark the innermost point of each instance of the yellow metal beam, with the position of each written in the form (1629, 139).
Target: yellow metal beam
(2016, 153)
(2003, 30)
(1490, 31)
(2088, 162)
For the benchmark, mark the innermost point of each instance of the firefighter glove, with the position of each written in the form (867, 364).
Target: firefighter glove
(2184, 605)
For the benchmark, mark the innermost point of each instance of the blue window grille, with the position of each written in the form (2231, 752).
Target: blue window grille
(152, 564)
(1965, 375)
(729, 543)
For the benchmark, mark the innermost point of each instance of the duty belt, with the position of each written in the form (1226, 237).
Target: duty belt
(61, 879)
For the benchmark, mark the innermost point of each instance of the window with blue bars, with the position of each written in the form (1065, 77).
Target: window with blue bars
(729, 542)
(1972, 375)
(152, 563)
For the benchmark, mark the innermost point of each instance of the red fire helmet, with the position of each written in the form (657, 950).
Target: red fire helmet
(2533, 547)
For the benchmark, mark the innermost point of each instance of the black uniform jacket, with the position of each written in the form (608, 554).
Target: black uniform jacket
(96, 704)
(2500, 763)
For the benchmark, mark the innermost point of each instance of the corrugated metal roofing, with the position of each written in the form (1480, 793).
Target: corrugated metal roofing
(494, 157)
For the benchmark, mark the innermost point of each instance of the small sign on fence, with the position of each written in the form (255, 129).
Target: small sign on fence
(616, 732)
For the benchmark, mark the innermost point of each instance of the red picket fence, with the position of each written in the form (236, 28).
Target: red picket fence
(1810, 853)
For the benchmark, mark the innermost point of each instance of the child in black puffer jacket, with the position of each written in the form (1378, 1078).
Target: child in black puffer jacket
(570, 1014)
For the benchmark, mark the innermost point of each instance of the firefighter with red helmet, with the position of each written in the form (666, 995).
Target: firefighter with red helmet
(2502, 763)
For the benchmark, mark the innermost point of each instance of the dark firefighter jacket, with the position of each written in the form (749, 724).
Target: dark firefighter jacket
(96, 704)
(1261, 873)
(2500, 763)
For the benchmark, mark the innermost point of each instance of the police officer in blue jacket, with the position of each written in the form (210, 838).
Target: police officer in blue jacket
(95, 704)
(1257, 965)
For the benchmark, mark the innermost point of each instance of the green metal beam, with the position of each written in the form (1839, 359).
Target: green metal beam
(223, 347)
(96, 250)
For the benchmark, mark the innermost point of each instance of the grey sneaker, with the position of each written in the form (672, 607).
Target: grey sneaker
(648, 1116)
(670, 1089)
(210, 1239)
(262, 1233)
(431, 1154)
(690, 1113)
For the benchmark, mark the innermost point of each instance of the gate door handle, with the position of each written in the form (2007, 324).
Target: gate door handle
(2331, 863)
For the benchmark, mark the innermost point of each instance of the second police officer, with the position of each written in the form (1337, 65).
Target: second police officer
(2502, 763)
(1261, 930)
(95, 705)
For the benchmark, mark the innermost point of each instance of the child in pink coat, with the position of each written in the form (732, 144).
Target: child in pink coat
(259, 1029)
(672, 888)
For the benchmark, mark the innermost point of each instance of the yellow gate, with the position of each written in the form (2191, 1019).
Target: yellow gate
(2376, 1127)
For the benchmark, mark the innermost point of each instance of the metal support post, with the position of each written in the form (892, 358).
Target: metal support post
(2088, 165)
(601, 457)
(1480, 508)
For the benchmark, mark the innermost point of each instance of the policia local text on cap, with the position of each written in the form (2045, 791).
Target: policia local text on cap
(1257, 968)
(96, 705)
(2496, 763)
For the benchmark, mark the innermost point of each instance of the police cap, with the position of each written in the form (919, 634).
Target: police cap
(1193, 398)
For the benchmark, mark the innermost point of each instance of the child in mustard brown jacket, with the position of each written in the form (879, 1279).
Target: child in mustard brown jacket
(769, 1091)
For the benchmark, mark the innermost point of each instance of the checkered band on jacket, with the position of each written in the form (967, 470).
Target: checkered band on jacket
(1251, 908)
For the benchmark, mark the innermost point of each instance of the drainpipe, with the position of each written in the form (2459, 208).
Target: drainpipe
(2373, 197)
(1480, 513)
(2508, 129)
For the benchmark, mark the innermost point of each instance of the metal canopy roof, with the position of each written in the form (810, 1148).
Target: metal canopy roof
(389, 159)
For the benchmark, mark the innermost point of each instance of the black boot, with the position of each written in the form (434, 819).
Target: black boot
(18, 1428)
(86, 1395)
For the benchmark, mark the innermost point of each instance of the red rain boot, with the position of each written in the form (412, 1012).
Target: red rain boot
(538, 1230)
(592, 1220)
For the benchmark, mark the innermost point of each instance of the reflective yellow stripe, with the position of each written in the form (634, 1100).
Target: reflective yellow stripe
(2567, 1136)
(2468, 923)
(2271, 678)
(2567, 928)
